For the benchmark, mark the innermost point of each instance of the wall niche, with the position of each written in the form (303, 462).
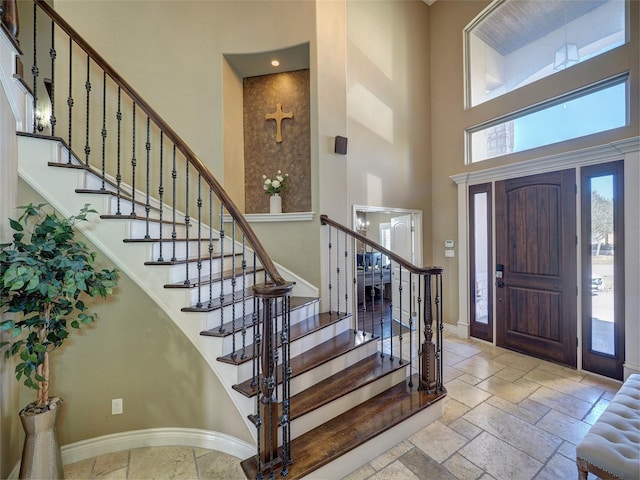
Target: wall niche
(264, 153)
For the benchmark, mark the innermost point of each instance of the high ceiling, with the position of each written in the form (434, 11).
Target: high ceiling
(521, 22)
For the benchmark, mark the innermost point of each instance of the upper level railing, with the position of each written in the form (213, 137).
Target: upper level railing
(392, 298)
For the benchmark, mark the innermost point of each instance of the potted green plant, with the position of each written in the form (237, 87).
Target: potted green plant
(45, 275)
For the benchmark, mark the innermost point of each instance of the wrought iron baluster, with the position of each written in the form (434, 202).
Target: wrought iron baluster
(52, 93)
(187, 223)
(356, 303)
(330, 272)
(118, 172)
(147, 204)
(134, 162)
(337, 270)
(34, 68)
(161, 194)
(174, 234)
(382, 319)
(346, 270)
(255, 383)
(286, 385)
(221, 328)
(210, 247)
(69, 99)
(104, 127)
(233, 288)
(199, 247)
(87, 87)
(244, 297)
(372, 291)
(255, 322)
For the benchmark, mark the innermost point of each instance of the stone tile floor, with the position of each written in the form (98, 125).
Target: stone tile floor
(507, 417)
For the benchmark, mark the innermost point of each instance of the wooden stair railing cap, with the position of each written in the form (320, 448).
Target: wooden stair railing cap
(325, 220)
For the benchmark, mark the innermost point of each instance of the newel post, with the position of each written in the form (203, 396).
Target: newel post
(10, 17)
(273, 368)
(428, 380)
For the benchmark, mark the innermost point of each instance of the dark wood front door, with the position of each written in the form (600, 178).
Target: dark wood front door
(536, 255)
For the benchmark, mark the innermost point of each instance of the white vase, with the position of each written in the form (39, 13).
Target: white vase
(275, 203)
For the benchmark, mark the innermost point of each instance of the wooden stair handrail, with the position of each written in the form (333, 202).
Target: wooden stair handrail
(191, 157)
(325, 220)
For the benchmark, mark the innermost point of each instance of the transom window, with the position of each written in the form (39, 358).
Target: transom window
(597, 108)
(516, 42)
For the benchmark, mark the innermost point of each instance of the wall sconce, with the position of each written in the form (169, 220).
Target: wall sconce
(39, 120)
(566, 56)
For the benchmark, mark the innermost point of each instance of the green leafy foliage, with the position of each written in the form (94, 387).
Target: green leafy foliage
(44, 273)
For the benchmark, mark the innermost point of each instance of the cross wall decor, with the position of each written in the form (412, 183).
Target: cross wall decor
(278, 116)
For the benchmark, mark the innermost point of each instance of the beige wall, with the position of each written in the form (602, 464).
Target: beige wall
(448, 19)
(9, 401)
(389, 161)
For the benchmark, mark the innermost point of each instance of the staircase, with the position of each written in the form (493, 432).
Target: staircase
(323, 393)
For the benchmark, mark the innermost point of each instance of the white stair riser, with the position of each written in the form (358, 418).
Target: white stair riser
(140, 229)
(321, 372)
(303, 344)
(325, 413)
(315, 375)
(297, 346)
(181, 249)
(178, 273)
(213, 291)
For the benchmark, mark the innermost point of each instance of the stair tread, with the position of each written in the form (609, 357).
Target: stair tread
(206, 279)
(348, 380)
(228, 328)
(216, 303)
(322, 353)
(297, 330)
(353, 428)
(128, 216)
(166, 239)
(182, 261)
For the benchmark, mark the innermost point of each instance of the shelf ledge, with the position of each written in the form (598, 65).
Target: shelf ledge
(274, 217)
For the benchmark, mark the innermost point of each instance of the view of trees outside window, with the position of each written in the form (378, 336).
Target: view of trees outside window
(602, 255)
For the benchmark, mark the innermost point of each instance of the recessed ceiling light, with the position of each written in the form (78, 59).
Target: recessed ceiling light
(275, 63)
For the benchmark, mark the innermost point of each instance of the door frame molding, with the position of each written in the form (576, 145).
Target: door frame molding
(627, 150)
(417, 218)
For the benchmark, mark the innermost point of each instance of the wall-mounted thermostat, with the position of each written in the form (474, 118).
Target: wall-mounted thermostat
(449, 244)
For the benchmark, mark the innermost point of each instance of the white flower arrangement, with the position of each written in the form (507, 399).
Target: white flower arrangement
(274, 186)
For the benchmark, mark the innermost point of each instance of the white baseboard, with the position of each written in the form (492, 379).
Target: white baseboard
(154, 437)
(630, 369)
(460, 330)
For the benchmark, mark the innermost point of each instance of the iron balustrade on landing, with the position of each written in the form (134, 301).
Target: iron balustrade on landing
(178, 200)
(394, 301)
